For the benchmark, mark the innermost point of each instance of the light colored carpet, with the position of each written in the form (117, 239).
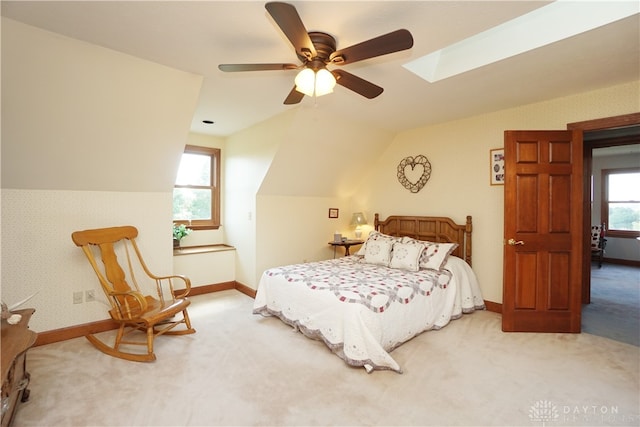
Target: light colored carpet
(242, 369)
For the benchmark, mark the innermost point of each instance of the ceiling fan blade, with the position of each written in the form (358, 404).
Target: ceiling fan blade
(294, 97)
(356, 84)
(256, 67)
(388, 43)
(287, 18)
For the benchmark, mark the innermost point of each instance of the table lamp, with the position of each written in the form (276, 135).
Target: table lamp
(358, 219)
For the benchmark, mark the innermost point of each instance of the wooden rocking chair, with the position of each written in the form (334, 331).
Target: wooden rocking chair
(129, 307)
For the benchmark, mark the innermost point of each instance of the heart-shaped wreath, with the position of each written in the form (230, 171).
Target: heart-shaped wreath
(416, 180)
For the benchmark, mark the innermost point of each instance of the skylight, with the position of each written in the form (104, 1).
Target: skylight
(548, 24)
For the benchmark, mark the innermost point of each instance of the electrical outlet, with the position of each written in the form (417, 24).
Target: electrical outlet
(89, 295)
(77, 297)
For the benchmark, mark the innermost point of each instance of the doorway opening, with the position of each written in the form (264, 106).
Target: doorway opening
(610, 294)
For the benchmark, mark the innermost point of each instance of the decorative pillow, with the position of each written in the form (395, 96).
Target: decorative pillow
(376, 235)
(378, 251)
(435, 255)
(406, 255)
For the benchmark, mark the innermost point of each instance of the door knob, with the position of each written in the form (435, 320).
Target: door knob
(513, 242)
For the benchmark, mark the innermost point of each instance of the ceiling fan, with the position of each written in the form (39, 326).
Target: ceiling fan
(316, 50)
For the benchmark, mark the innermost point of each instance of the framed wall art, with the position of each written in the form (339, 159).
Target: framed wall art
(497, 166)
(417, 176)
(333, 213)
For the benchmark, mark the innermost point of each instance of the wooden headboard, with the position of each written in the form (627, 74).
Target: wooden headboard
(431, 228)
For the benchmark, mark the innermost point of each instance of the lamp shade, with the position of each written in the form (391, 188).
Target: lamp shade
(358, 219)
(316, 83)
(305, 81)
(325, 82)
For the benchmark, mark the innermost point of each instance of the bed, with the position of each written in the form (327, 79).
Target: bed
(412, 274)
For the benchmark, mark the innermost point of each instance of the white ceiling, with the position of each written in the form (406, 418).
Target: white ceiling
(197, 36)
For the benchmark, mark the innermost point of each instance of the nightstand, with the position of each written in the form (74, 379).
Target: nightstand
(346, 244)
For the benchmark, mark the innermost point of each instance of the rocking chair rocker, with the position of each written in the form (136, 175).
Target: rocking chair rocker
(155, 315)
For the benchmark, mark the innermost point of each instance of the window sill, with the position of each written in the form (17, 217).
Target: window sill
(622, 234)
(189, 250)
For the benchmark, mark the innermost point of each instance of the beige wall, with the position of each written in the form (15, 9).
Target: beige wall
(77, 116)
(90, 138)
(296, 229)
(106, 147)
(459, 155)
(38, 255)
(291, 227)
(247, 160)
(283, 175)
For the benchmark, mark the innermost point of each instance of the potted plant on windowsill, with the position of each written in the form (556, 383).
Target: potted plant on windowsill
(179, 232)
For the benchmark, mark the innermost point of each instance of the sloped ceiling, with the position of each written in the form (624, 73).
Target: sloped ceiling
(76, 116)
(320, 161)
(197, 36)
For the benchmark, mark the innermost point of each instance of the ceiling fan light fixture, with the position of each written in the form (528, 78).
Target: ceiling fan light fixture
(316, 83)
(305, 81)
(316, 49)
(325, 82)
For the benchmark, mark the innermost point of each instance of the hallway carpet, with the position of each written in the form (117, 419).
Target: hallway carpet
(614, 311)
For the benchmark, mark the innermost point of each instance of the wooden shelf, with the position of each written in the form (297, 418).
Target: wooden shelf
(202, 249)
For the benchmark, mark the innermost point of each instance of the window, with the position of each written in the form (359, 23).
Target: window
(621, 201)
(196, 194)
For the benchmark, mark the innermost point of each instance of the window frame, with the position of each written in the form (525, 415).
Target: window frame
(604, 203)
(214, 222)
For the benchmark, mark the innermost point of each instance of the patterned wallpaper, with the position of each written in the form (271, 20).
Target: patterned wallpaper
(38, 255)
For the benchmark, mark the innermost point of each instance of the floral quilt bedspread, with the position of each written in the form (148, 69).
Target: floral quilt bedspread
(363, 311)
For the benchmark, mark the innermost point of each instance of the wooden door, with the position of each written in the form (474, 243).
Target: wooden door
(542, 231)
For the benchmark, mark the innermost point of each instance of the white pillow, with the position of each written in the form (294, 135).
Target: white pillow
(435, 255)
(378, 252)
(376, 235)
(406, 255)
